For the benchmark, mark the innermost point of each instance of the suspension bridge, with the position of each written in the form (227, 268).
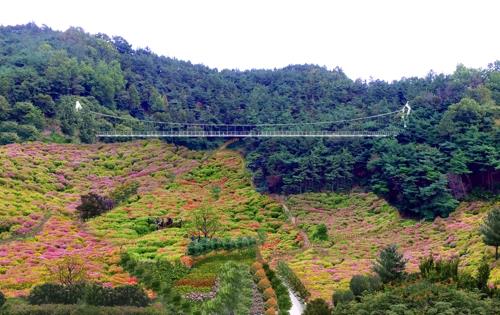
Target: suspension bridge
(386, 124)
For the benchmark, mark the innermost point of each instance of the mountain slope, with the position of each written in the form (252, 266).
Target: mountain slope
(42, 183)
(360, 224)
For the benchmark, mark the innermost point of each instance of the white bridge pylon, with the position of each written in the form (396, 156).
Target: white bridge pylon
(387, 124)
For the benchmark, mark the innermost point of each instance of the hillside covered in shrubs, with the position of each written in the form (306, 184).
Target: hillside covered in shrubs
(181, 229)
(449, 149)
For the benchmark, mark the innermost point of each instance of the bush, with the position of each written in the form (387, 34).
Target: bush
(426, 266)
(61, 309)
(50, 293)
(390, 265)
(317, 307)
(269, 293)
(483, 274)
(342, 296)
(124, 191)
(320, 233)
(93, 205)
(418, 298)
(271, 303)
(362, 283)
(2, 299)
(27, 132)
(260, 274)
(159, 270)
(264, 284)
(446, 269)
(142, 226)
(270, 311)
(359, 284)
(92, 294)
(375, 283)
(439, 270)
(467, 281)
(97, 295)
(284, 302)
(255, 267)
(207, 245)
(129, 295)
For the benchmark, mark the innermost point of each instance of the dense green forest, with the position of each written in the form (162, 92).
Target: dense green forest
(450, 148)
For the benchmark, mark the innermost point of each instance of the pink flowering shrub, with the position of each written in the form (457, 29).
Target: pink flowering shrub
(40, 189)
(360, 224)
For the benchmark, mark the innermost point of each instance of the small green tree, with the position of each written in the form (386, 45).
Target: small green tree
(317, 307)
(4, 108)
(361, 283)
(342, 296)
(8, 137)
(491, 230)
(483, 274)
(124, 191)
(390, 265)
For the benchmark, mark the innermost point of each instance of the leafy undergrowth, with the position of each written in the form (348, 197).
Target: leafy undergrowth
(40, 188)
(205, 270)
(360, 224)
(41, 184)
(221, 182)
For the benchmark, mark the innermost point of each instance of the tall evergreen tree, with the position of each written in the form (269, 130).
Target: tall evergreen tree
(390, 265)
(491, 230)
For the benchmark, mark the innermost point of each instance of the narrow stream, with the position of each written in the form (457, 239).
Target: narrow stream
(297, 307)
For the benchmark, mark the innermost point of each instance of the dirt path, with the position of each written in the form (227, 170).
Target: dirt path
(228, 143)
(37, 229)
(293, 220)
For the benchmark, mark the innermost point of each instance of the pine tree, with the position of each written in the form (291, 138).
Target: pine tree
(390, 265)
(491, 230)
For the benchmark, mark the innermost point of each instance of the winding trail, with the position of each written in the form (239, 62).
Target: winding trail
(282, 200)
(37, 229)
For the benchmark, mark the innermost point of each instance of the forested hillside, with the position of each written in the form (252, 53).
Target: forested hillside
(450, 148)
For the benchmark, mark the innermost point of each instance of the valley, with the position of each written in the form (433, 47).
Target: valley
(42, 184)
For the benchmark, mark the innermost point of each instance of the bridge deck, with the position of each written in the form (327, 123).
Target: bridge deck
(243, 134)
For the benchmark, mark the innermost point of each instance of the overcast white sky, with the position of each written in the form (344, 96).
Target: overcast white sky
(382, 39)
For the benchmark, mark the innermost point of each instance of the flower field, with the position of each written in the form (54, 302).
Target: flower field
(241, 210)
(360, 224)
(41, 185)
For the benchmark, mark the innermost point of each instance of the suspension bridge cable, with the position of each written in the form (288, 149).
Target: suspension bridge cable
(245, 125)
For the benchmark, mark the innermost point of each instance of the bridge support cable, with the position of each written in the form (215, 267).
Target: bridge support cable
(387, 124)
